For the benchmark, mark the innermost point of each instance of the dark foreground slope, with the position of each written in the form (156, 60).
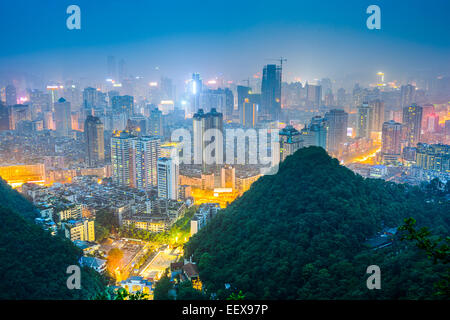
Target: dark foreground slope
(300, 234)
(33, 263)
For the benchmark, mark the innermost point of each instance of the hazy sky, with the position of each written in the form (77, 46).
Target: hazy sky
(233, 38)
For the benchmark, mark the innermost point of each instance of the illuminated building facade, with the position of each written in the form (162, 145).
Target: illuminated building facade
(412, 120)
(434, 157)
(95, 144)
(290, 141)
(168, 172)
(391, 146)
(337, 122)
(122, 159)
(271, 92)
(146, 152)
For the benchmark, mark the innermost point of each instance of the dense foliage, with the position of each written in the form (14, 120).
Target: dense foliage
(33, 263)
(300, 234)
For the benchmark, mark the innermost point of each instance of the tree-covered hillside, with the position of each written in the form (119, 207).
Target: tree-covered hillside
(300, 234)
(33, 263)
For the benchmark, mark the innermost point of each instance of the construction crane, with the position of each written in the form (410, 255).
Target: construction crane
(281, 59)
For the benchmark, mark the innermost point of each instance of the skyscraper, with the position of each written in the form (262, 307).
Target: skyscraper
(412, 120)
(122, 159)
(290, 141)
(314, 94)
(168, 178)
(156, 123)
(10, 95)
(315, 134)
(63, 121)
(407, 95)
(377, 114)
(364, 125)
(111, 67)
(391, 141)
(95, 144)
(146, 152)
(202, 123)
(123, 104)
(248, 106)
(271, 92)
(337, 122)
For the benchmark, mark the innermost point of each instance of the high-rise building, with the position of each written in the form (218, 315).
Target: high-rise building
(17, 113)
(122, 159)
(290, 141)
(391, 145)
(10, 95)
(155, 127)
(92, 98)
(146, 152)
(337, 121)
(407, 95)
(248, 106)
(111, 67)
(228, 177)
(123, 104)
(412, 120)
(434, 157)
(63, 120)
(202, 124)
(314, 94)
(95, 144)
(315, 134)
(168, 172)
(195, 88)
(364, 124)
(122, 70)
(271, 92)
(377, 114)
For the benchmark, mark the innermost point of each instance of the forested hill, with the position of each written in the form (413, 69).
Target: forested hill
(300, 234)
(33, 263)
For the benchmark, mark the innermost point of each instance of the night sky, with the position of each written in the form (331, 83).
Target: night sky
(233, 38)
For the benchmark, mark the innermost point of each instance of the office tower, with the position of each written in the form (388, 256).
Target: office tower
(407, 95)
(210, 99)
(364, 125)
(167, 179)
(377, 114)
(434, 157)
(63, 121)
(314, 94)
(17, 113)
(248, 106)
(167, 89)
(146, 152)
(10, 95)
(202, 123)
(122, 159)
(341, 97)
(271, 92)
(156, 123)
(111, 67)
(195, 88)
(229, 105)
(123, 104)
(91, 98)
(391, 138)
(95, 144)
(412, 120)
(228, 177)
(4, 117)
(290, 141)
(427, 110)
(315, 134)
(337, 121)
(122, 70)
